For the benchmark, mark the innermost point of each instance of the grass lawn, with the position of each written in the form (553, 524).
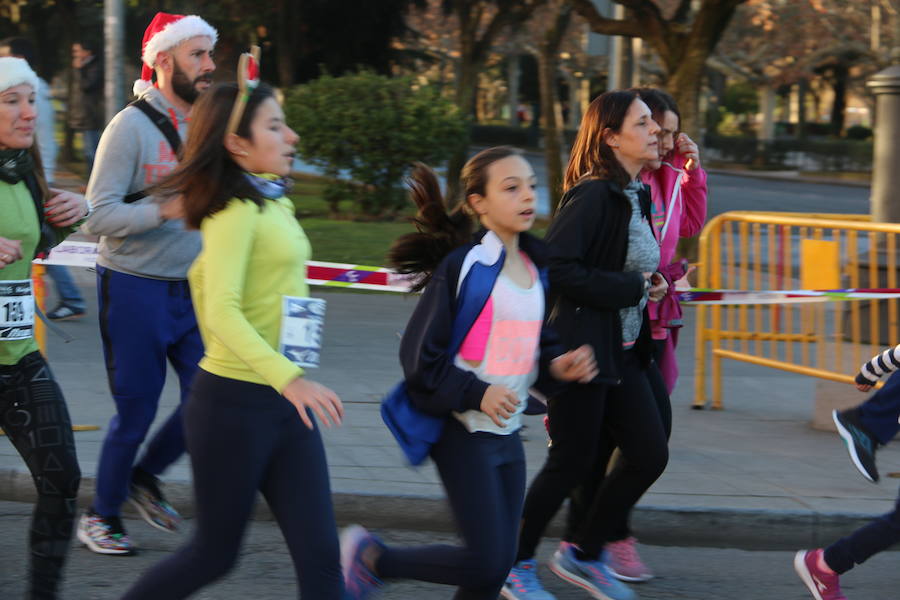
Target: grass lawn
(341, 240)
(346, 241)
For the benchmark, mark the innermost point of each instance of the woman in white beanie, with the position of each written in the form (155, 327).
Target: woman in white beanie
(33, 414)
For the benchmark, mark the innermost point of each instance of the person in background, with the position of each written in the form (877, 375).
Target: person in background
(874, 423)
(86, 104)
(71, 303)
(144, 301)
(33, 412)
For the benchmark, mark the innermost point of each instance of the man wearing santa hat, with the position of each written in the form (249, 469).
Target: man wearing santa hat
(146, 314)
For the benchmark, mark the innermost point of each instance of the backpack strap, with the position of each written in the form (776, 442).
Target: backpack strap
(165, 127)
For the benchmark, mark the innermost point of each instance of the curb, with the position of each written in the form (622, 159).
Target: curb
(746, 529)
(790, 176)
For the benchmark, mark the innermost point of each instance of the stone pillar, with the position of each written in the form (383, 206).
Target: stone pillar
(886, 162)
(617, 75)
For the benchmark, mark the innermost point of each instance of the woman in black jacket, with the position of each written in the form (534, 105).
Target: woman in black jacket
(602, 258)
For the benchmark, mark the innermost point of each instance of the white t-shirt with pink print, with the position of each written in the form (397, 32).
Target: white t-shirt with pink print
(503, 347)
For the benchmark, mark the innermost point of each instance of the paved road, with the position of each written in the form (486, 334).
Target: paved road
(733, 192)
(265, 572)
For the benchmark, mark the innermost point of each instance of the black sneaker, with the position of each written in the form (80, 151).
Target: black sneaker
(64, 312)
(860, 444)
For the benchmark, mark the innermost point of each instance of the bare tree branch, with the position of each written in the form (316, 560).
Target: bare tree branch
(600, 24)
(682, 12)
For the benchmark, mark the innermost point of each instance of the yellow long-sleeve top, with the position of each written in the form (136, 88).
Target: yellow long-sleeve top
(251, 257)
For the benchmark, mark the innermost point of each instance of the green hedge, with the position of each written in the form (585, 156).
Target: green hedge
(808, 154)
(366, 130)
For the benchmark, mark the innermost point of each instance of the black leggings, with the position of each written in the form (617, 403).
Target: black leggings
(34, 416)
(580, 499)
(243, 437)
(484, 476)
(578, 419)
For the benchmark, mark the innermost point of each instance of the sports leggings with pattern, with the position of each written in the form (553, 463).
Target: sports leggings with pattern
(35, 418)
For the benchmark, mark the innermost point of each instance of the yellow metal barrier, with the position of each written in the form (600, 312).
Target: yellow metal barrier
(762, 251)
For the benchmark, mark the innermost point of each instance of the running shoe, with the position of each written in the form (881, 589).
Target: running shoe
(860, 445)
(624, 562)
(103, 535)
(146, 496)
(592, 576)
(522, 583)
(821, 584)
(64, 312)
(359, 581)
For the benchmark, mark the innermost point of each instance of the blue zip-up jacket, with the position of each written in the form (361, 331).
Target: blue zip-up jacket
(435, 385)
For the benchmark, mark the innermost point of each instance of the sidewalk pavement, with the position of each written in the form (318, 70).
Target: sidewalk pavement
(753, 476)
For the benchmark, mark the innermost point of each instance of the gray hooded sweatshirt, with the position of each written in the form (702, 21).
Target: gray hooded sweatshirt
(133, 155)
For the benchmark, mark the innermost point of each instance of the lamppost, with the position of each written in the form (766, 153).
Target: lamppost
(113, 28)
(886, 162)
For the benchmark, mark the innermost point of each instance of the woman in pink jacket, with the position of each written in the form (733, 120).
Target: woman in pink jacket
(678, 193)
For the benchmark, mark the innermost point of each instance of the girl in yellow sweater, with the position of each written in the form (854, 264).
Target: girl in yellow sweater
(250, 420)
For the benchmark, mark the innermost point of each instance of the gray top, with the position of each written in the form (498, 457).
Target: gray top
(133, 155)
(642, 256)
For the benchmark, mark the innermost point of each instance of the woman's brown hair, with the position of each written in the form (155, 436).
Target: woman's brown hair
(207, 176)
(440, 232)
(39, 173)
(591, 156)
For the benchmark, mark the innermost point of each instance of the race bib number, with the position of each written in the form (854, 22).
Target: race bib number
(302, 320)
(16, 310)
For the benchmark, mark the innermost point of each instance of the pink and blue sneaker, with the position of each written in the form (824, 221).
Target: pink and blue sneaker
(360, 582)
(522, 583)
(623, 560)
(592, 576)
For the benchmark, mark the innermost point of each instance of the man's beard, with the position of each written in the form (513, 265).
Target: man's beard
(183, 87)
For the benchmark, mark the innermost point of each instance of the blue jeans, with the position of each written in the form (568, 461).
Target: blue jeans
(90, 139)
(865, 542)
(143, 323)
(68, 292)
(879, 413)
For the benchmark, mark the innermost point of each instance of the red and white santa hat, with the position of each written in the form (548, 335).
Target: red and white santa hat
(164, 33)
(15, 71)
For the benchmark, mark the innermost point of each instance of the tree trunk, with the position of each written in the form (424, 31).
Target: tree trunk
(466, 86)
(513, 77)
(547, 65)
(841, 74)
(684, 85)
(285, 43)
(802, 88)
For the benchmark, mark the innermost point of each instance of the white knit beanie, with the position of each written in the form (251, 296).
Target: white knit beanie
(15, 71)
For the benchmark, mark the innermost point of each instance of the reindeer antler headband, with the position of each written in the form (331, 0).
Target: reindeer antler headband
(248, 79)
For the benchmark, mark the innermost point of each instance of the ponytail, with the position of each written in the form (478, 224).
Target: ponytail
(439, 232)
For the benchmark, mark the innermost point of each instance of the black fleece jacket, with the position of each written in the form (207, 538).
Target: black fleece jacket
(587, 245)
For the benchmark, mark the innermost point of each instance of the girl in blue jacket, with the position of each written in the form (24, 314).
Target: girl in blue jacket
(480, 390)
